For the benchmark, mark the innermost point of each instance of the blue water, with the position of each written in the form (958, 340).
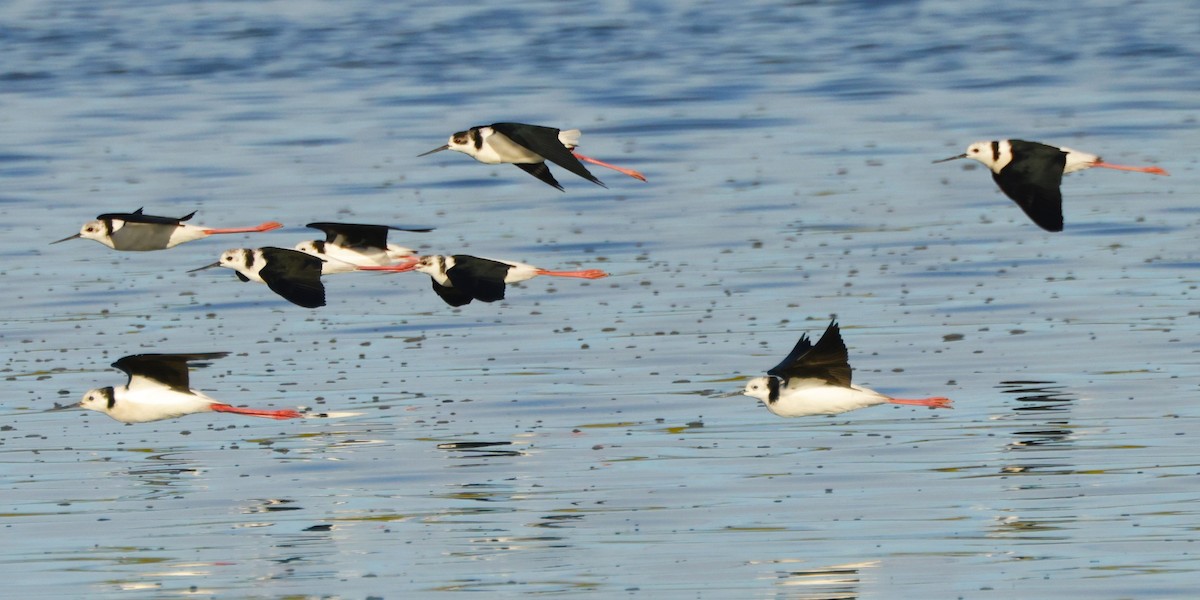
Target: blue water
(788, 148)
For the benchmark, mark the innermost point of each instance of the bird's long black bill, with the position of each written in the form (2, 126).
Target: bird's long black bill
(73, 237)
(950, 159)
(216, 264)
(446, 147)
(62, 407)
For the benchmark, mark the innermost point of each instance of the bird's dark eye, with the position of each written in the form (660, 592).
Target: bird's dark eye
(90, 229)
(974, 150)
(460, 138)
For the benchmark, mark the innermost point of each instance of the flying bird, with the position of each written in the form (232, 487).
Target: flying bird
(815, 380)
(460, 278)
(290, 273)
(349, 245)
(158, 389)
(528, 147)
(1031, 174)
(138, 232)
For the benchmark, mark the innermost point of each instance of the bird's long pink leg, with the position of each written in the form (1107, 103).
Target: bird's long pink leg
(268, 226)
(254, 412)
(588, 274)
(397, 268)
(935, 402)
(1151, 170)
(622, 170)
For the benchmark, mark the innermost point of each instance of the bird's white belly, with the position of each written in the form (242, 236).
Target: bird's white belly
(369, 258)
(155, 404)
(499, 149)
(142, 237)
(823, 400)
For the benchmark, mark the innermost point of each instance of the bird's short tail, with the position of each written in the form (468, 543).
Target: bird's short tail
(935, 402)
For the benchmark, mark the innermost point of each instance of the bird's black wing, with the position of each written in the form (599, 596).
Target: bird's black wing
(544, 142)
(349, 235)
(170, 370)
(451, 295)
(542, 172)
(355, 235)
(827, 360)
(137, 217)
(294, 275)
(1033, 180)
(481, 278)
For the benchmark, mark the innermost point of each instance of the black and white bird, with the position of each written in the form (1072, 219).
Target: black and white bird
(528, 147)
(138, 232)
(158, 389)
(290, 273)
(349, 245)
(460, 278)
(1031, 174)
(815, 380)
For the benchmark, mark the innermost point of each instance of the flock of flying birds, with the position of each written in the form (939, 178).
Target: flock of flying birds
(814, 379)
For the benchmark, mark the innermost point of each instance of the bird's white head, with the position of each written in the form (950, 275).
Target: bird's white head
(994, 155)
(434, 264)
(98, 230)
(469, 142)
(99, 400)
(313, 247)
(238, 259)
(760, 388)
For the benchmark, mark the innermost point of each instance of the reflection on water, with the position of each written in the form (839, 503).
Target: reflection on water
(835, 582)
(1038, 433)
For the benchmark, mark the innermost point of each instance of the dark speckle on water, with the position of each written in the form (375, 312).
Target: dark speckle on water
(528, 445)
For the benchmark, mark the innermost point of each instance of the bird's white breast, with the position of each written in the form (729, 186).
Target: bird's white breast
(497, 148)
(151, 403)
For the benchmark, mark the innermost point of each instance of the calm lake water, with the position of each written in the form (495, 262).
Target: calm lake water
(573, 439)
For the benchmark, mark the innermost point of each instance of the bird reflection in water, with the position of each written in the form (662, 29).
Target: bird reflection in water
(1034, 400)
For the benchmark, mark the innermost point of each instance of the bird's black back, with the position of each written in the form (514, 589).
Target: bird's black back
(352, 235)
(544, 141)
(294, 275)
(170, 370)
(827, 360)
(137, 217)
(1033, 179)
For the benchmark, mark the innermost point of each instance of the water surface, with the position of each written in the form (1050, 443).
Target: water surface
(572, 439)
